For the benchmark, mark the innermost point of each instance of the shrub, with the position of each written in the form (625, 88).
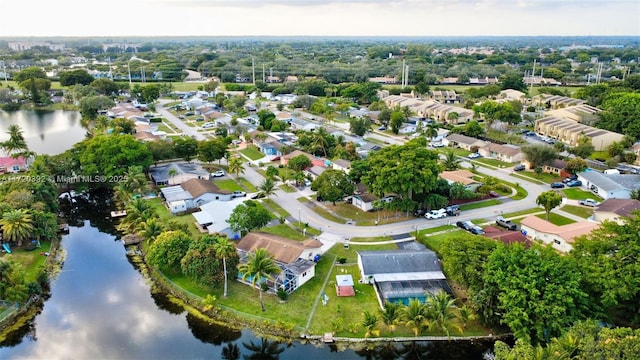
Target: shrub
(282, 294)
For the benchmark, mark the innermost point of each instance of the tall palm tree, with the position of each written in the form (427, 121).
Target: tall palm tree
(414, 316)
(150, 229)
(320, 141)
(16, 146)
(135, 180)
(268, 187)
(224, 248)
(17, 225)
(172, 172)
(369, 323)
(451, 161)
(439, 309)
(138, 211)
(260, 265)
(390, 314)
(235, 166)
(431, 131)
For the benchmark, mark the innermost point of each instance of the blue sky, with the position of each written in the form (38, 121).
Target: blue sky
(319, 17)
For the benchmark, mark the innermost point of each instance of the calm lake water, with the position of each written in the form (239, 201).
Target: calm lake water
(46, 132)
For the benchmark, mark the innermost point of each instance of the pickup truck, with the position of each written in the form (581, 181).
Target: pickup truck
(508, 224)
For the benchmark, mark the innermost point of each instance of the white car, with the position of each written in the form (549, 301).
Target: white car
(436, 214)
(589, 202)
(208, 125)
(473, 156)
(218, 173)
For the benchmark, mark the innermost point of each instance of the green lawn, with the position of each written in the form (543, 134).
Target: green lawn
(285, 231)
(583, 212)
(544, 177)
(165, 215)
(275, 207)
(603, 155)
(247, 185)
(480, 204)
(252, 153)
(434, 242)
(521, 213)
(287, 188)
(327, 215)
(579, 194)
(228, 184)
(556, 219)
(494, 162)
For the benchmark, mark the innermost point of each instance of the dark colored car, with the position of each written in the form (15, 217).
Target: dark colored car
(453, 210)
(557, 185)
(519, 167)
(258, 195)
(493, 194)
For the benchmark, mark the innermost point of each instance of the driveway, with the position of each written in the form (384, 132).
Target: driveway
(186, 129)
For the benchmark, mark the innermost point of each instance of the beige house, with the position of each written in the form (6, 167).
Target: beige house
(616, 209)
(556, 101)
(464, 142)
(510, 94)
(569, 132)
(384, 80)
(556, 167)
(559, 237)
(583, 113)
(430, 108)
(507, 153)
(464, 177)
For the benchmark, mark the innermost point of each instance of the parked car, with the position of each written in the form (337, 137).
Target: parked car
(570, 178)
(507, 224)
(589, 202)
(275, 158)
(494, 194)
(437, 145)
(520, 167)
(557, 185)
(473, 156)
(258, 195)
(453, 210)
(218, 173)
(470, 227)
(419, 212)
(574, 183)
(382, 128)
(238, 193)
(208, 125)
(436, 214)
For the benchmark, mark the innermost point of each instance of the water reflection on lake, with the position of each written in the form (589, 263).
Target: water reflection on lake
(46, 132)
(101, 307)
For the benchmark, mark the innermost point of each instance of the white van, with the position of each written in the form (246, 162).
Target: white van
(612, 171)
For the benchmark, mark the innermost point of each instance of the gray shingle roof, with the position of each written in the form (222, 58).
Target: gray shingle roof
(398, 261)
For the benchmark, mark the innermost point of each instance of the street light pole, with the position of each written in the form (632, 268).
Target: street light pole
(299, 219)
(416, 226)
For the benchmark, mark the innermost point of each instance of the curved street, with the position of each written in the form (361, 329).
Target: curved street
(343, 232)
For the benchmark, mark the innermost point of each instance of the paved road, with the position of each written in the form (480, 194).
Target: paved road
(301, 210)
(186, 129)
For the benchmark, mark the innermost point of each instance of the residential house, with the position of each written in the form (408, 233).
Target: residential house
(212, 217)
(464, 177)
(582, 113)
(177, 199)
(635, 148)
(271, 148)
(463, 142)
(483, 81)
(301, 124)
(341, 164)
(510, 94)
(610, 186)
(540, 81)
(192, 194)
(315, 171)
(556, 167)
(384, 80)
(13, 165)
(284, 159)
(296, 259)
(177, 172)
(364, 200)
(559, 237)
(507, 237)
(616, 210)
(570, 132)
(444, 96)
(402, 275)
(555, 101)
(507, 153)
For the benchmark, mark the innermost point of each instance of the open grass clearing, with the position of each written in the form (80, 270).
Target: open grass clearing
(252, 152)
(581, 211)
(434, 242)
(247, 185)
(349, 211)
(480, 204)
(521, 213)
(228, 184)
(287, 188)
(165, 216)
(556, 219)
(275, 207)
(285, 231)
(327, 215)
(579, 194)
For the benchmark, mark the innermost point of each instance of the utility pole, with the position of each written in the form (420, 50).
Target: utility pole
(270, 75)
(263, 77)
(533, 76)
(403, 68)
(129, 68)
(253, 70)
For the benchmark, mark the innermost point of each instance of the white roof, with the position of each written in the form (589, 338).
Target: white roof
(425, 275)
(344, 280)
(217, 213)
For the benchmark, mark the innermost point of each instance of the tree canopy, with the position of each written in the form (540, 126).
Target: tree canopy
(333, 185)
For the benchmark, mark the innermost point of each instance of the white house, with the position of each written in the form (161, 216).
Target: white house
(296, 259)
(559, 237)
(616, 210)
(213, 217)
(610, 186)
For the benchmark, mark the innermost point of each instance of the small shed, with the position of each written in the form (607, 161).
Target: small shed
(344, 285)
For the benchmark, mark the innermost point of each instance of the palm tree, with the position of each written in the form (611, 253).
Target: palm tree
(224, 248)
(266, 350)
(414, 315)
(439, 309)
(431, 131)
(451, 161)
(260, 265)
(135, 181)
(150, 229)
(231, 352)
(235, 166)
(390, 314)
(465, 314)
(17, 225)
(16, 146)
(138, 210)
(369, 323)
(268, 187)
(172, 172)
(320, 141)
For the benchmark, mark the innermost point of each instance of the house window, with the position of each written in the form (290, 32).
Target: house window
(16, 168)
(556, 241)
